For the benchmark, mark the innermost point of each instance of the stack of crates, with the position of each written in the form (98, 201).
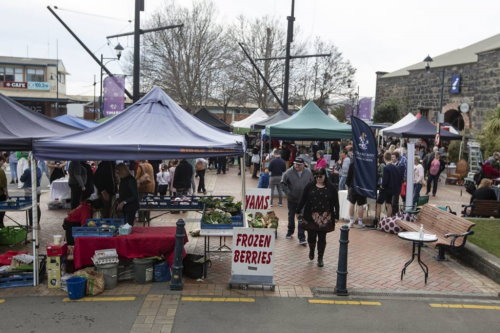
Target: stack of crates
(56, 263)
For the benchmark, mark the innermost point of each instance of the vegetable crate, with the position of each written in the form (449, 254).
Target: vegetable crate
(100, 222)
(15, 202)
(22, 279)
(12, 235)
(236, 222)
(93, 232)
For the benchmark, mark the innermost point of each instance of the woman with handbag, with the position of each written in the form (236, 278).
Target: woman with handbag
(318, 209)
(128, 196)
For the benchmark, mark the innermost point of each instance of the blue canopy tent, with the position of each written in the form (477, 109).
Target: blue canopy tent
(153, 128)
(76, 122)
(19, 127)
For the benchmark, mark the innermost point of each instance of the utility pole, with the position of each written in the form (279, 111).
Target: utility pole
(289, 40)
(139, 7)
(287, 58)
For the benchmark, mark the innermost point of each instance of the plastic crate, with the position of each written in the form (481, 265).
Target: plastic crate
(12, 235)
(236, 222)
(15, 202)
(93, 232)
(22, 279)
(100, 222)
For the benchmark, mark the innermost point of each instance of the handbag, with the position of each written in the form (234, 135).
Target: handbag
(255, 159)
(144, 178)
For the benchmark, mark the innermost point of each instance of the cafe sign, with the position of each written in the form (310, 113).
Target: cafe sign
(15, 84)
(38, 85)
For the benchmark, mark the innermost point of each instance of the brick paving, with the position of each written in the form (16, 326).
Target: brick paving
(375, 258)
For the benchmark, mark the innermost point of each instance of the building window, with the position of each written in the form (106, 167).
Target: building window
(9, 74)
(61, 77)
(18, 74)
(35, 75)
(2, 74)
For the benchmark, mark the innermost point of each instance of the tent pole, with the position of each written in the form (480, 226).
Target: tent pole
(409, 173)
(34, 215)
(261, 152)
(243, 187)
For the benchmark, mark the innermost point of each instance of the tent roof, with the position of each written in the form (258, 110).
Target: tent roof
(402, 122)
(275, 118)
(422, 128)
(76, 122)
(208, 118)
(309, 123)
(20, 125)
(257, 116)
(154, 128)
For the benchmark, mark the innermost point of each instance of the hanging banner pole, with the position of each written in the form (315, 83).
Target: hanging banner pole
(34, 216)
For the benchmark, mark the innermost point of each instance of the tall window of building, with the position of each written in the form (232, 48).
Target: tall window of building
(62, 78)
(2, 74)
(18, 74)
(9, 74)
(35, 75)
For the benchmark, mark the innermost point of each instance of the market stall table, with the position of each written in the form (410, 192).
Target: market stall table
(22, 208)
(418, 242)
(142, 242)
(60, 190)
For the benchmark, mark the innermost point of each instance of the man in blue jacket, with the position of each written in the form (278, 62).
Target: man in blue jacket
(391, 186)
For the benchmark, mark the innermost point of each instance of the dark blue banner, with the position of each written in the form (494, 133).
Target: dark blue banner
(365, 158)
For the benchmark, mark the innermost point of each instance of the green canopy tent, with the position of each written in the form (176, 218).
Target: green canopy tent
(309, 123)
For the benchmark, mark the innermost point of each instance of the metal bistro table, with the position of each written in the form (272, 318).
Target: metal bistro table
(223, 247)
(417, 243)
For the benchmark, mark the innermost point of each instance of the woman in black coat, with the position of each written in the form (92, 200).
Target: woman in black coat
(128, 196)
(319, 208)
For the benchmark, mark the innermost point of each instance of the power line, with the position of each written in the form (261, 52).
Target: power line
(90, 14)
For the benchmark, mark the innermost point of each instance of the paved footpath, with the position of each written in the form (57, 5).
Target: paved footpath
(375, 262)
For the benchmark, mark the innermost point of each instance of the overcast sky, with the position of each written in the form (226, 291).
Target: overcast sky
(381, 35)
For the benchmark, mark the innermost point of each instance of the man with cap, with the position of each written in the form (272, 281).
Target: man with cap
(294, 181)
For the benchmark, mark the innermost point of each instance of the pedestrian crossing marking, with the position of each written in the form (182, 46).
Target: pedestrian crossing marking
(464, 306)
(218, 299)
(325, 301)
(101, 299)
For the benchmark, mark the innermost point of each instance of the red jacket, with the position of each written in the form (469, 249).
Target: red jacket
(80, 213)
(490, 172)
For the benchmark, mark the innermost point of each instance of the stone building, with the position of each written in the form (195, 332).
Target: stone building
(469, 79)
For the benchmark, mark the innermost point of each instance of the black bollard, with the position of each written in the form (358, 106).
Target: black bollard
(180, 234)
(341, 287)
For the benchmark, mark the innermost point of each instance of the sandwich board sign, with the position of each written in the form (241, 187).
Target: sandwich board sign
(252, 261)
(258, 200)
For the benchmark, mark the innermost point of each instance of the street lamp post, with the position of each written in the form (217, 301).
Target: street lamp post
(427, 61)
(354, 101)
(118, 50)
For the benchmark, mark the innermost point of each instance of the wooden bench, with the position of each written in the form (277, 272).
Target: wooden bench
(482, 208)
(451, 230)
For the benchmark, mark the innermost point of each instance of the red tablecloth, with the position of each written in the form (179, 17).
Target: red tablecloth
(142, 242)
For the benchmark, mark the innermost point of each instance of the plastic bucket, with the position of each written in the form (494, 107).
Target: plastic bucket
(110, 272)
(162, 272)
(76, 287)
(143, 270)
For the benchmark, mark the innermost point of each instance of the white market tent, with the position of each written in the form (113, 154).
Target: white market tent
(257, 116)
(409, 118)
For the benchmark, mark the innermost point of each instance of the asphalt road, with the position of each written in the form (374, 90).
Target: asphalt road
(50, 314)
(297, 315)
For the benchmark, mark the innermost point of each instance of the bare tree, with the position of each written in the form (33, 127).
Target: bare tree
(263, 38)
(183, 61)
(320, 79)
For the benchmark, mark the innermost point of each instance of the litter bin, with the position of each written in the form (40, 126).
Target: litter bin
(162, 272)
(110, 272)
(76, 287)
(143, 270)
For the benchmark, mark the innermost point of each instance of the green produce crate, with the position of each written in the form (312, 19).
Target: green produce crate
(12, 235)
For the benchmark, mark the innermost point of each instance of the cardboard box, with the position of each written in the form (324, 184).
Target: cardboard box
(54, 278)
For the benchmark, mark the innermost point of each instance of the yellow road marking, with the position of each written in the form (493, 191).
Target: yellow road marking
(218, 299)
(464, 306)
(101, 299)
(2, 301)
(325, 301)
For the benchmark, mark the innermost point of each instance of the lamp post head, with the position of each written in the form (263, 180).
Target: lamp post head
(427, 61)
(118, 49)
